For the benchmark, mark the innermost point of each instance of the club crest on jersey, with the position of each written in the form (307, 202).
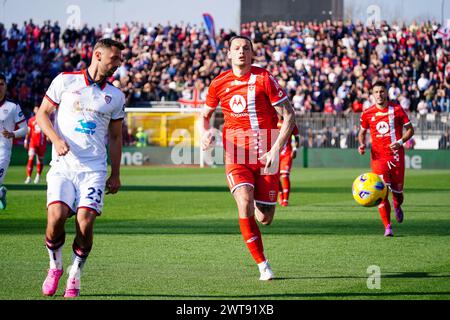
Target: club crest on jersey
(238, 103)
(382, 127)
(87, 127)
(108, 99)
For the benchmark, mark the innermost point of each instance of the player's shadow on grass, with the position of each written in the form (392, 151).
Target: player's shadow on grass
(333, 295)
(300, 227)
(388, 275)
(190, 189)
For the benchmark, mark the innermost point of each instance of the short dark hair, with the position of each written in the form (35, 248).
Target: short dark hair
(109, 43)
(242, 37)
(379, 83)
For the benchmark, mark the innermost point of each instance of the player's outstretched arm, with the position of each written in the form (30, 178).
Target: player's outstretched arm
(43, 120)
(207, 136)
(115, 153)
(362, 141)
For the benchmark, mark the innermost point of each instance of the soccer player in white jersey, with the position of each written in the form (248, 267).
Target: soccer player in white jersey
(11, 116)
(88, 115)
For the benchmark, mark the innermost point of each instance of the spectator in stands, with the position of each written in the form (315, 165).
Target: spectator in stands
(323, 65)
(444, 141)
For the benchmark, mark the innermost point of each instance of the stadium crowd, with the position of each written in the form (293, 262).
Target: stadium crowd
(325, 67)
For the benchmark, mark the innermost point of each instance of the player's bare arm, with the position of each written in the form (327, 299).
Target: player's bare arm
(286, 110)
(362, 141)
(43, 120)
(20, 132)
(115, 153)
(406, 136)
(207, 136)
(25, 141)
(297, 145)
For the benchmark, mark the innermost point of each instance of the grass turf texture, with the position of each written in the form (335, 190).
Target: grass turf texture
(173, 233)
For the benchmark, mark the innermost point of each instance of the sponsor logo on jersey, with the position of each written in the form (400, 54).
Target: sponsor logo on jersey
(237, 82)
(86, 127)
(382, 127)
(272, 195)
(238, 103)
(381, 114)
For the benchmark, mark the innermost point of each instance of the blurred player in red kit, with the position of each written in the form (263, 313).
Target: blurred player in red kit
(386, 121)
(287, 155)
(250, 99)
(36, 143)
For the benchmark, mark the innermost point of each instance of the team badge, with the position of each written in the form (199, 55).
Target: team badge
(108, 99)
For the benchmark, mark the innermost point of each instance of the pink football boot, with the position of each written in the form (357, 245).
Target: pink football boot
(51, 282)
(72, 288)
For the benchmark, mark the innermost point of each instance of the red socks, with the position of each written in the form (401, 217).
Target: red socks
(397, 199)
(285, 184)
(40, 166)
(385, 211)
(29, 167)
(252, 237)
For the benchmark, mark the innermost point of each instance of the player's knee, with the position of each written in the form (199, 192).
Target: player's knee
(268, 212)
(86, 218)
(244, 200)
(57, 213)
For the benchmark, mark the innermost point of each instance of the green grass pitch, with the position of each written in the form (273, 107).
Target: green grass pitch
(172, 233)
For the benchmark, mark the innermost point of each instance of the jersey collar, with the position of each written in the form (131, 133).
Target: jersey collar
(90, 81)
(2, 101)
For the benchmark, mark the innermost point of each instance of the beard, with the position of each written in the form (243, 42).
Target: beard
(110, 72)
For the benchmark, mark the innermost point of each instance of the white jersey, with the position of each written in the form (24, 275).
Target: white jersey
(83, 113)
(11, 115)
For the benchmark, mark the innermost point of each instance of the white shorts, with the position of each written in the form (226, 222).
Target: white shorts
(76, 189)
(4, 164)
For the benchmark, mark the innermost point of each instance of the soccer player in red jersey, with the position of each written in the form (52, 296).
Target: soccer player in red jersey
(36, 143)
(386, 121)
(287, 155)
(250, 99)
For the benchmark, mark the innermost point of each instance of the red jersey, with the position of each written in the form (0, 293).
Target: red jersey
(37, 137)
(248, 104)
(287, 148)
(386, 127)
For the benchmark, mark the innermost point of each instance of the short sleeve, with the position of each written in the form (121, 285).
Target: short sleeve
(212, 101)
(119, 111)
(19, 116)
(404, 119)
(364, 122)
(273, 90)
(55, 90)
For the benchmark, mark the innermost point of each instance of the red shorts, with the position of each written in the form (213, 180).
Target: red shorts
(265, 185)
(36, 150)
(392, 172)
(285, 162)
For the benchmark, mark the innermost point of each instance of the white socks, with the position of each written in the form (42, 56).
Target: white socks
(55, 258)
(77, 266)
